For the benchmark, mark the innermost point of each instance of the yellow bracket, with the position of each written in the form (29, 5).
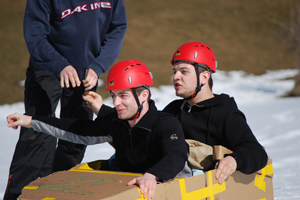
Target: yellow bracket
(259, 180)
(142, 195)
(207, 192)
(203, 193)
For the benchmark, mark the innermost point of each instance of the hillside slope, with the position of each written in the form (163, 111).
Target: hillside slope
(241, 33)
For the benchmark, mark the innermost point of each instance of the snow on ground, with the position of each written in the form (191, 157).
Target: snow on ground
(275, 122)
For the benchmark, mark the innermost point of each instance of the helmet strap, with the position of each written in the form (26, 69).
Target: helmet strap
(199, 86)
(140, 106)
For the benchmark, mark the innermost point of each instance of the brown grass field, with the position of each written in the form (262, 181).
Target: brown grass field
(242, 34)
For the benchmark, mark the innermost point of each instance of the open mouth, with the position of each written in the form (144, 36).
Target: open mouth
(176, 85)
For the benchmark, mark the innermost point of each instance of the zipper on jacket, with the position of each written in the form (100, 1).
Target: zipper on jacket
(129, 133)
(189, 107)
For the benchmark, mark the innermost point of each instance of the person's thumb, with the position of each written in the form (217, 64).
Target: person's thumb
(132, 182)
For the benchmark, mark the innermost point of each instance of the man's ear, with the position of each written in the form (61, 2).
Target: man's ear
(204, 77)
(145, 94)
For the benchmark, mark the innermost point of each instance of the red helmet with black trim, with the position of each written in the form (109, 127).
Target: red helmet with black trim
(196, 52)
(128, 74)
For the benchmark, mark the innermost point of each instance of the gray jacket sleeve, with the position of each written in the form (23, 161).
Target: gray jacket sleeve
(60, 128)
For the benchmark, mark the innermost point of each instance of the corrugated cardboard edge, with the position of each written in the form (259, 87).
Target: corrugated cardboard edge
(238, 186)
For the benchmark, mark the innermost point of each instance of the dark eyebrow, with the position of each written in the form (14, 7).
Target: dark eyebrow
(180, 68)
(124, 92)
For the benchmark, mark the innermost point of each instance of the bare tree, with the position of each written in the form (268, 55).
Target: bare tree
(292, 39)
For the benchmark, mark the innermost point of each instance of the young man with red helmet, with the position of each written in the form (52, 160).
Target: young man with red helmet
(211, 118)
(146, 140)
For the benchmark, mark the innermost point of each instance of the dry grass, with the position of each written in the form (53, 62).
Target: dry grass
(240, 32)
(13, 51)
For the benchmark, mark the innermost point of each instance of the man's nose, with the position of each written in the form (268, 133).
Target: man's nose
(116, 101)
(176, 76)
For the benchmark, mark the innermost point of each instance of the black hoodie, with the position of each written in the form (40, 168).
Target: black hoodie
(218, 121)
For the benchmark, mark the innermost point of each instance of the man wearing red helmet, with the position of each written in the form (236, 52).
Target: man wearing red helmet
(210, 118)
(146, 140)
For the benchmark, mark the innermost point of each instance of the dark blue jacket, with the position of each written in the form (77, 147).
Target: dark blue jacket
(81, 33)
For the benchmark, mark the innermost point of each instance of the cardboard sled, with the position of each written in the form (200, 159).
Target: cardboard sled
(85, 182)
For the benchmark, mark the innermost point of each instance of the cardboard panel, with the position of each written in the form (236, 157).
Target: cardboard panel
(83, 182)
(79, 184)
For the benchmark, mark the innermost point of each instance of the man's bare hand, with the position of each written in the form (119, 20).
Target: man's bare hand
(225, 168)
(147, 184)
(69, 75)
(16, 120)
(93, 101)
(90, 80)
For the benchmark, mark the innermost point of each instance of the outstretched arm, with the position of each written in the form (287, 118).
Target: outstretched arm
(17, 119)
(147, 184)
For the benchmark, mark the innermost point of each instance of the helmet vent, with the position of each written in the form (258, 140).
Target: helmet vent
(131, 66)
(128, 67)
(199, 45)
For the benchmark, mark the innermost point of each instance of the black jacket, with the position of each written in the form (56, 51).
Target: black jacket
(155, 144)
(217, 121)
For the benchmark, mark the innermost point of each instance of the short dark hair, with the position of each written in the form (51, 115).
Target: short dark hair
(210, 80)
(140, 89)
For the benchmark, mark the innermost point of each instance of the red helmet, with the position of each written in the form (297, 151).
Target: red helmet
(196, 52)
(128, 74)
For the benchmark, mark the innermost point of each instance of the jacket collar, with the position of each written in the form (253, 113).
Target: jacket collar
(148, 119)
(216, 100)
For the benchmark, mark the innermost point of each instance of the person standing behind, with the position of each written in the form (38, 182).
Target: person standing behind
(71, 43)
(211, 118)
(146, 140)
